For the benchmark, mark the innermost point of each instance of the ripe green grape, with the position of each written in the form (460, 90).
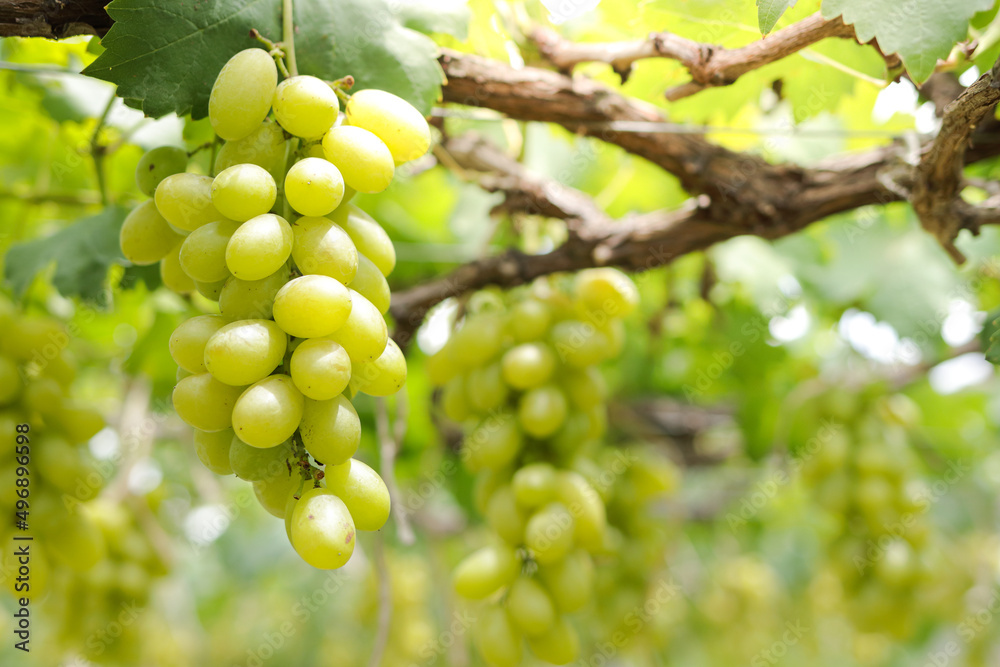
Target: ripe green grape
(570, 580)
(384, 376)
(305, 106)
(330, 430)
(320, 368)
(364, 333)
(203, 253)
(172, 274)
(530, 607)
(322, 531)
(312, 306)
(156, 165)
(454, 400)
(264, 147)
(362, 158)
(259, 247)
(579, 344)
(314, 187)
(607, 291)
(393, 120)
(243, 191)
(362, 490)
(245, 351)
(528, 365)
(484, 572)
(242, 93)
(212, 449)
(504, 516)
(368, 236)
(549, 533)
(534, 485)
(145, 236)
(584, 387)
(486, 387)
(187, 342)
(252, 299)
(273, 492)
(542, 410)
(371, 284)
(493, 443)
(210, 290)
(205, 403)
(322, 247)
(10, 381)
(560, 645)
(529, 320)
(256, 464)
(268, 412)
(185, 201)
(496, 639)
(478, 341)
(590, 517)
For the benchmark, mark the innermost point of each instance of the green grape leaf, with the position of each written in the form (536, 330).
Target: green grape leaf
(450, 17)
(920, 31)
(82, 252)
(164, 56)
(769, 11)
(990, 337)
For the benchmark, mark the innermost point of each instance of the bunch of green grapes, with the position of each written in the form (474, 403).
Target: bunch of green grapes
(46, 469)
(299, 275)
(521, 374)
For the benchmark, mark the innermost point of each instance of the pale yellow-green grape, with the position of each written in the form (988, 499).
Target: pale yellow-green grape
(579, 344)
(322, 531)
(245, 351)
(156, 165)
(496, 639)
(493, 443)
(145, 236)
(549, 533)
(305, 106)
(268, 412)
(478, 341)
(313, 186)
(587, 507)
(362, 490)
(560, 645)
(486, 387)
(484, 572)
(211, 291)
(584, 387)
(392, 119)
(244, 191)
(454, 400)
(542, 411)
(569, 581)
(273, 492)
(531, 609)
(79, 423)
(384, 376)
(172, 274)
(10, 381)
(203, 253)
(528, 365)
(259, 247)
(330, 430)
(76, 542)
(212, 449)
(242, 93)
(320, 368)
(313, 306)
(256, 464)
(371, 284)
(504, 516)
(205, 403)
(368, 236)
(534, 485)
(252, 299)
(185, 201)
(264, 147)
(187, 342)
(606, 291)
(44, 396)
(529, 320)
(362, 158)
(364, 333)
(322, 247)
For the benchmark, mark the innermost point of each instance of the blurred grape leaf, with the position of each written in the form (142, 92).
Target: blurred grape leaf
(450, 17)
(990, 337)
(769, 11)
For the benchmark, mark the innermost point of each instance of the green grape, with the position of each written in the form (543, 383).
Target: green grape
(252, 299)
(528, 365)
(569, 581)
(187, 342)
(371, 284)
(256, 464)
(364, 334)
(259, 247)
(478, 341)
(579, 344)
(322, 531)
(530, 607)
(320, 368)
(76, 543)
(273, 492)
(384, 376)
(172, 274)
(156, 165)
(549, 533)
(586, 506)
(440, 367)
(79, 423)
(496, 639)
(585, 387)
(368, 236)
(484, 572)
(542, 411)
(242, 93)
(534, 485)
(364, 161)
(312, 306)
(59, 459)
(213, 450)
(10, 381)
(493, 443)
(314, 187)
(205, 403)
(305, 106)
(322, 247)
(487, 390)
(145, 236)
(529, 320)
(560, 645)
(203, 253)
(393, 120)
(268, 412)
(264, 147)
(454, 400)
(211, 291)
(504, 516)
(185, 201)
(330, 430)
(362, 490)
(44, 396)
(245, 351)
(243, 191)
